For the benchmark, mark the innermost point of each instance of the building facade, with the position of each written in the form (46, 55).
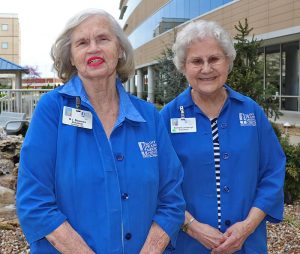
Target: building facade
(152, 26)
(10, 37)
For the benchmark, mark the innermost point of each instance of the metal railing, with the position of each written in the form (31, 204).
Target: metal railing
(20, 100)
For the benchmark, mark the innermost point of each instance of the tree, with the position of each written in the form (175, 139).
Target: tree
(33, 72)
(170, 81)
(247, 73)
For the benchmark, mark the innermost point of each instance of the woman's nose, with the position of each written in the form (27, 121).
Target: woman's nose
(93, 46)
(206, 67)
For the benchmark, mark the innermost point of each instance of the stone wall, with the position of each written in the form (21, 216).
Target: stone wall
(9, 158)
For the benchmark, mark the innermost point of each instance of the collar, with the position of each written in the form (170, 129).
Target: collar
(74, 88)
(127, 110)
(233, 94)
(185, 98)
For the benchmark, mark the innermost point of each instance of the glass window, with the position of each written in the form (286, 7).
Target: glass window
(273, 66)
(4, 27)
(174, 13)
(4, 45)
(290, 76)
(205, 6)
(281, 70)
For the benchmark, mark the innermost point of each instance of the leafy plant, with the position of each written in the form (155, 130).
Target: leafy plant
(292, 175)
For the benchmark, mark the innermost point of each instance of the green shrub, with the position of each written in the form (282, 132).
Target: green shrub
(159, 106)
(292, 175)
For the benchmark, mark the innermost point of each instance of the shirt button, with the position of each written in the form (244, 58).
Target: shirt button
(225, 156)
(119, 157)
(128, 236)
(223, 125)
(227, 222)
(125, 196)
(226, 188)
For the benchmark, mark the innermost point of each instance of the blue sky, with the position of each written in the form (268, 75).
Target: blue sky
(42, 21)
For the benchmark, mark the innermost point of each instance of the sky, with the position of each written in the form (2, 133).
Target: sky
(41, 21)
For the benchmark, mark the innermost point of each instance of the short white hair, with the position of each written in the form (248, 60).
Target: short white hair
(199, 30)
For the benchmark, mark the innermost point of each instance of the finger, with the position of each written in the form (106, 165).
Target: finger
(224, 246)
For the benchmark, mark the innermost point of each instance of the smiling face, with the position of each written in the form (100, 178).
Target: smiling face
(206, 67)
(95, 49)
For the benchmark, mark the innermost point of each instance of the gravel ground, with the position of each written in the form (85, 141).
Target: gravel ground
(283, 238)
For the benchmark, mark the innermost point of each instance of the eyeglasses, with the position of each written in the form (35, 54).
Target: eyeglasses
(213, 61)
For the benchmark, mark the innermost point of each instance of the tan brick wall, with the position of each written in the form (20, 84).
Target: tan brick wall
(12, 36)
(263, 15)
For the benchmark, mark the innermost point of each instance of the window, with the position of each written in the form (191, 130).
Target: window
(4, 45)
(281, 70)
(4, 27)
(290, 76)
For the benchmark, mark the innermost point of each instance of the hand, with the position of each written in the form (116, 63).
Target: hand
(239, 232)
(235, 238)
(208, 236)
(66, 240)
(156, 242)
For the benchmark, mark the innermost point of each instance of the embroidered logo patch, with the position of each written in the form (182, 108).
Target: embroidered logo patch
(247, 119)
(148, 149)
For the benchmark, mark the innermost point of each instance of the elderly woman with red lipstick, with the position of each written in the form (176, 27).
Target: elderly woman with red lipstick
(94, 176)
(233, 164)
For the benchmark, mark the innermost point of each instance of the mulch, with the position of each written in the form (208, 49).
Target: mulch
(283, 238)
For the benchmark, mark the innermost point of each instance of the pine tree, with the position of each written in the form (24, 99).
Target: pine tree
(170, 82)
(247, 74)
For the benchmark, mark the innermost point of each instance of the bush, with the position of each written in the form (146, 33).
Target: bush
(292, 175)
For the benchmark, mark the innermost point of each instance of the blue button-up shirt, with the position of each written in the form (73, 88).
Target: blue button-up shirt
(252, 166)
(109, 190)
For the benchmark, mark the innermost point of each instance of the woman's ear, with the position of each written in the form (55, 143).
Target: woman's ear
(121, 54)
(71, 61)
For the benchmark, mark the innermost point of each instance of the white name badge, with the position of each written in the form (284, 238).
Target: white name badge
(183, 125)
(77, 117)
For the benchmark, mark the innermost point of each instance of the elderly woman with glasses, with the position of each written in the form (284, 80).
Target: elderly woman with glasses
(233, 163)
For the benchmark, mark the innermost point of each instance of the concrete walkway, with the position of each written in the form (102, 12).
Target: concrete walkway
(293, 118)
(294, 140)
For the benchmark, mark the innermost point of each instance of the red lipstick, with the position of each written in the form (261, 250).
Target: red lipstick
(95, 61)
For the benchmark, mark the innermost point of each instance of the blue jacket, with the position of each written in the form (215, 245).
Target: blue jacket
(110, 191)
(252, 166)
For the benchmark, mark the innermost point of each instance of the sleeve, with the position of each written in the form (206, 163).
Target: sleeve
(269, 194)
(35, 199)
(171, 205)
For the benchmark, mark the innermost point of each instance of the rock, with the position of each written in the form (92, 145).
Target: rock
(10, 147)
(7, 196)
(3, 134)
(8, 212)
(6, 166)
(9, 157)
(8, 181)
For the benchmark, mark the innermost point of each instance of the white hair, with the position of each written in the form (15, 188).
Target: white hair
(61, 50)
(199, 30)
